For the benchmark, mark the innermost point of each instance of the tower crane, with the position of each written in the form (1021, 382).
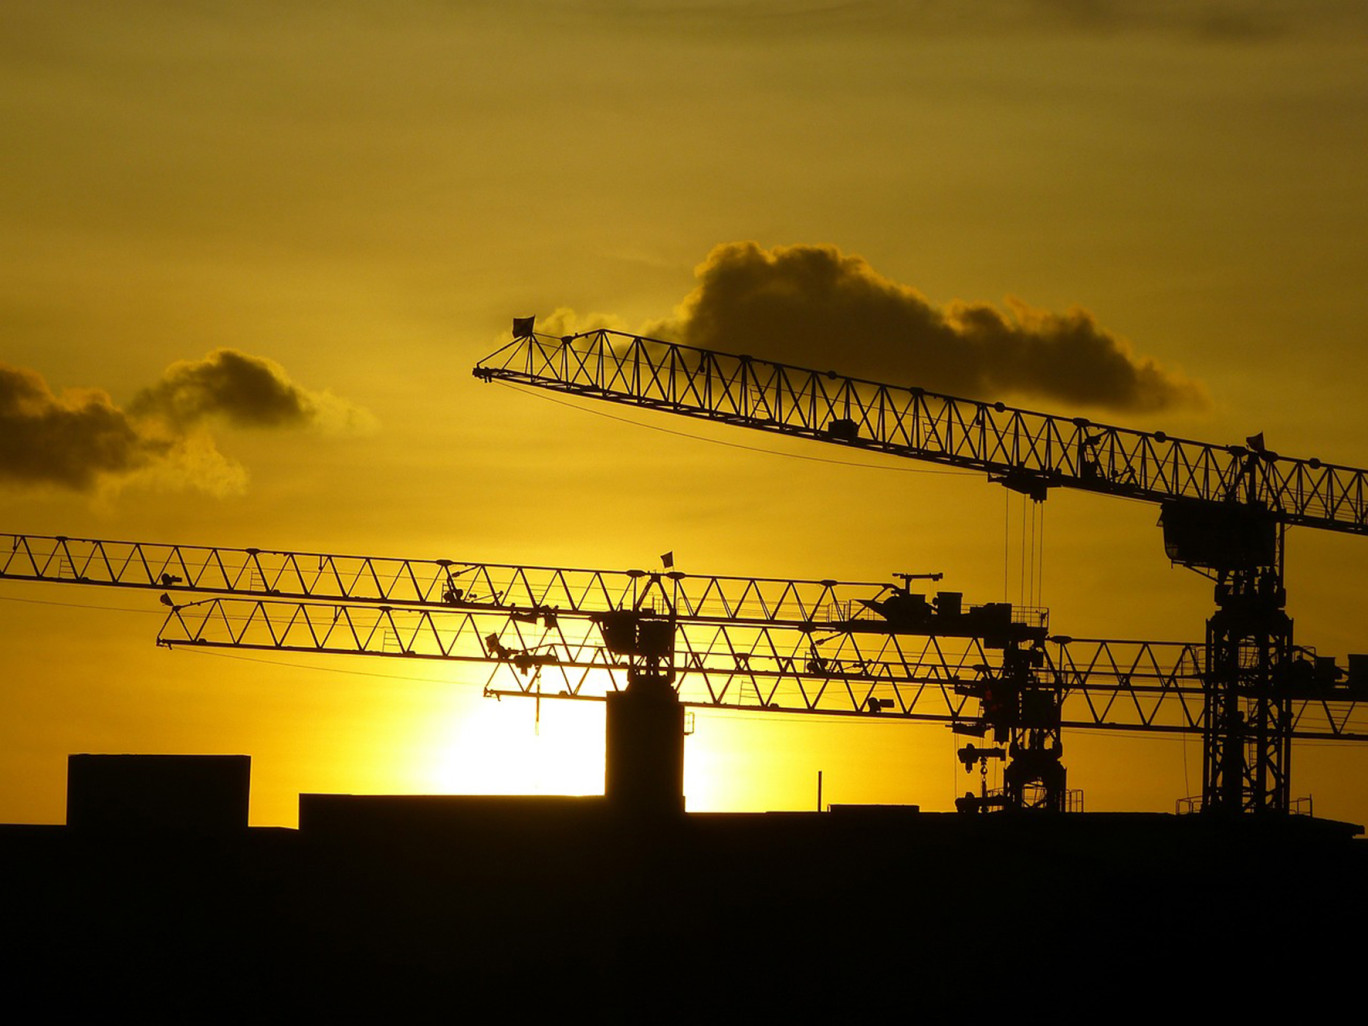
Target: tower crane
(976, 683)
(759, 643)
(770, 645)
(1224, 508)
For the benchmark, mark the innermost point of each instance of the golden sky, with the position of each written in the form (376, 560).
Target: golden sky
(354, 200)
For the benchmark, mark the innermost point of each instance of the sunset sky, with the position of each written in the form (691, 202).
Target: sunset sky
(252, 251)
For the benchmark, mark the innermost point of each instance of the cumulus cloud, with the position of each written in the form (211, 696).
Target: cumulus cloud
(68, 440)
(81, 439)
(565, 321)
(817, 307)
(247, 391)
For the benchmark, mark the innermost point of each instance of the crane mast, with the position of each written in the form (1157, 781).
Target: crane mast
(1224, 508)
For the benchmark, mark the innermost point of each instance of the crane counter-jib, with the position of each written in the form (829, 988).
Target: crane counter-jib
(1025, 449)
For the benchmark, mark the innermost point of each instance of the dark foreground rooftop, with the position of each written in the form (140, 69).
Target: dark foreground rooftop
(478, 908)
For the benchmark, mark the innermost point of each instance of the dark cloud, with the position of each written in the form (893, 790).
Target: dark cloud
(70, 440)
(81, 440)
(247, 391)
(817, 307)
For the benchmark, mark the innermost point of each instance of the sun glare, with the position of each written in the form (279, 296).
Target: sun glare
(509, 746)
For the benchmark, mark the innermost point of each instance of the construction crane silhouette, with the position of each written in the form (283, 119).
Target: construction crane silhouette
(668, 640)
(661, 639)
(1224, 512)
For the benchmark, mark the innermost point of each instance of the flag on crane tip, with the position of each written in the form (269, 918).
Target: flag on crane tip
(668, 559)
(523, 326)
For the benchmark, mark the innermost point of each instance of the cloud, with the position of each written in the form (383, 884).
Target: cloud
(816, 307)
(81, 439)
(69, 440)
(565, 321)
(246, 391)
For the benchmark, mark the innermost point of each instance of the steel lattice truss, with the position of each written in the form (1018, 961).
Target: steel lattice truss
(1124, 685)
(426, 582)
(1030, 451)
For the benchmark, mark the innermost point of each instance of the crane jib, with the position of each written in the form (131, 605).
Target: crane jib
(1025, 450)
